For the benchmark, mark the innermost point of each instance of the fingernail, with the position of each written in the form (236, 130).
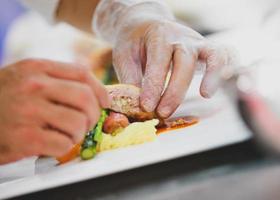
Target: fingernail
(164, 112)
(206, 95)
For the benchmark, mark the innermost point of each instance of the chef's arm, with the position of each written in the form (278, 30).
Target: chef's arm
(77, 13)
(100, 16)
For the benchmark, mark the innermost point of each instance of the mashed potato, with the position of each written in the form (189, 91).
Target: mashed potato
(135, 133)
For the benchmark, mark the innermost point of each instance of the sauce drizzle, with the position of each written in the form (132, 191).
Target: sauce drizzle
(177, 123)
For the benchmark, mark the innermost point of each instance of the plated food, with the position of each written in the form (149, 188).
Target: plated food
(123, 124)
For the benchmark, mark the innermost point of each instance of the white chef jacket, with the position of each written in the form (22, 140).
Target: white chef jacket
(46, 8)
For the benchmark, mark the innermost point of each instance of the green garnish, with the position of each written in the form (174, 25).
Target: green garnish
(88, 153)
(93, 138)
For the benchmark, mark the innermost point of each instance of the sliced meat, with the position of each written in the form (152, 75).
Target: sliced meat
(126, 99)
(115, 122)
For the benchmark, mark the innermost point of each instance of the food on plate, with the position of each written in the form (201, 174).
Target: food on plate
(120, 134)
(134, 133)
(72, 154)
(176, 123)
(125, 99)
(123, 124)
(93, 139)
(115, 123)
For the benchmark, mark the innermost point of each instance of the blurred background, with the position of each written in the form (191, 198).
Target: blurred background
(245, 24)
(9, 11)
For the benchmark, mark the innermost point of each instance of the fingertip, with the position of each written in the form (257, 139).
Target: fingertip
(106, 100)
(147, 104)
(164, 112)
(207, 88)
(106, 103)
(169, 104)
(63, 148)
(69, 145)
(151, 94)
(82, 68)
(101, 94)
(78, 137)
(205, 94)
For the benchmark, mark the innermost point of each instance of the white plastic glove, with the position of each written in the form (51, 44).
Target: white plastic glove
(148, 43)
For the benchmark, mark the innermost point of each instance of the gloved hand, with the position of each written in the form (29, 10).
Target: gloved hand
(148, 43)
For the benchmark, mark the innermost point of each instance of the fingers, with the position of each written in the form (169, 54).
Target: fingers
(77, 73)
(159, 56)
(100, 92)
(76, 95)
(64, 119)
(216, 58)
(36, 141)
(62, 70)
(128, 67)
(182, 73)
(54, 143)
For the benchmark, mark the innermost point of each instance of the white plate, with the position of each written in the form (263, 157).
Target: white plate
(221, 126)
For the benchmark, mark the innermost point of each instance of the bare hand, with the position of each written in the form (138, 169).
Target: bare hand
(46, 107)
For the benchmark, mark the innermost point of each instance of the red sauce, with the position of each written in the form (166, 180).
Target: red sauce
(176, 123)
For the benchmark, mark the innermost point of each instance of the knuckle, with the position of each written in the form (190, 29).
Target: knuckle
(29, 63)
(80, 124)
(85, 96)
(190, 51)
(82, 67)
(84, 73)
(25, 132)
(159, 31)
(155, 42)
(153, 84)
(160, 26)
(96, 117)
(33, 84)
(29, 110)
(31, 137)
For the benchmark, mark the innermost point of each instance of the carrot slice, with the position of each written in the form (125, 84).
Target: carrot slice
(72, 154)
